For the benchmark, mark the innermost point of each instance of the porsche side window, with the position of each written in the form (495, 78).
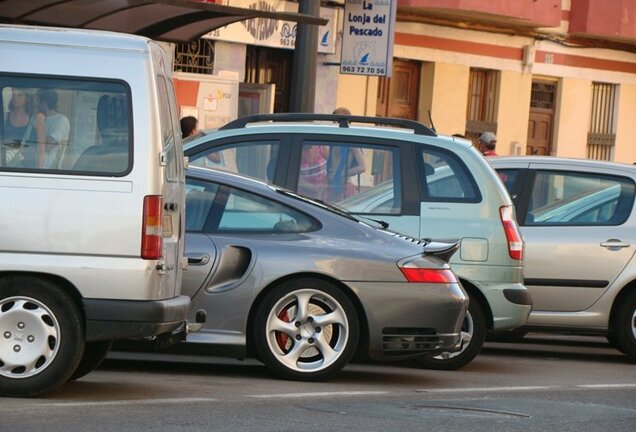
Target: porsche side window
(199, 199)
(247, 212)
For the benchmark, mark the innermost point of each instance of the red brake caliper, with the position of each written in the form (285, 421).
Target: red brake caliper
(282, 338)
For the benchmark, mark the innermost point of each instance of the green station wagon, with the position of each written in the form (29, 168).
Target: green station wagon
(403, 175)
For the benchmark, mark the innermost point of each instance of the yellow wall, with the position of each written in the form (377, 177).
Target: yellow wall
(358, 93)
(513, 111)
(626, 125)
(572, 121)
(444, 91)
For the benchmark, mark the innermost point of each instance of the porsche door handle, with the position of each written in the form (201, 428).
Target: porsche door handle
(614, 243)
(198, 259)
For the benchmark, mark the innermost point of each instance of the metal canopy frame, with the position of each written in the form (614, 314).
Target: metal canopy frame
(162, 20)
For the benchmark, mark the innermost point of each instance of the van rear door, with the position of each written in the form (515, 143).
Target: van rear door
(171, 159)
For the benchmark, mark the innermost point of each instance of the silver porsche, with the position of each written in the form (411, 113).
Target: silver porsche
(304, 286)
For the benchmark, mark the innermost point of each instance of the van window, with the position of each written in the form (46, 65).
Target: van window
(167, 130)
(176, 126)
(74, 126)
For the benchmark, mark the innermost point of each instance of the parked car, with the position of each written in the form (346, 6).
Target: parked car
(578, 221)
(401, 172)
(302, 285)
(93, 200)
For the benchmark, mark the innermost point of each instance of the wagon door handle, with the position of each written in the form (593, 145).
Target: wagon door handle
(198, 259)
(614, 243)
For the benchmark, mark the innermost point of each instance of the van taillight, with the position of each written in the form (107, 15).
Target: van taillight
(151, 231)
(513, 236)
(425, 275)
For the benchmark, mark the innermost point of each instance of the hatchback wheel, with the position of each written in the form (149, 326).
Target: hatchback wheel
(625, 325)
(41, 333)
(94, 355)
(472, 339)
(613, 341)
(305, 329)
(509, 336)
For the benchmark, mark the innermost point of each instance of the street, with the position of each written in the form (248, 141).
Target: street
(544, 383)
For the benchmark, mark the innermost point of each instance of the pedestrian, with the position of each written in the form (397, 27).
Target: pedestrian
(344, 163)
(189, 127)
(486, 144)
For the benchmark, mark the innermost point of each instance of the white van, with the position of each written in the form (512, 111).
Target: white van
(91, 202)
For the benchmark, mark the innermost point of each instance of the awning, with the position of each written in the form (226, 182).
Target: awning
(164, 20)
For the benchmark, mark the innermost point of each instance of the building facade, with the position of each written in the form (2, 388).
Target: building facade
(548, 77)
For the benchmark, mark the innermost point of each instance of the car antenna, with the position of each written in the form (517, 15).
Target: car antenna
(430, 118)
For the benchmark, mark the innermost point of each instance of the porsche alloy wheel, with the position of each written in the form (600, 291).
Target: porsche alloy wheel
(306, 329)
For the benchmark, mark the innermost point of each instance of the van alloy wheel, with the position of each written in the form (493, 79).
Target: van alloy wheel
(30, 337)
(41, 336)
(306, 329)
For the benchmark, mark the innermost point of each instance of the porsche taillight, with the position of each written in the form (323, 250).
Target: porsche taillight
(427, 275)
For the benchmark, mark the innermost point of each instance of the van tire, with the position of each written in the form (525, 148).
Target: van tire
(49, 336)
(94, 355)
(625, 325)
(475, 323)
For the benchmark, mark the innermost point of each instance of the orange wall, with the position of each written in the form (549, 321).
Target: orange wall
(546, 13)
(615, 18)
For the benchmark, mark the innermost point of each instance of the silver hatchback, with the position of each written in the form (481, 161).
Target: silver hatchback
(302, 286)
(579, 224)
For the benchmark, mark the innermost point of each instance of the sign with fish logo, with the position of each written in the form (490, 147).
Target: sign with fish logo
(367, 37)
(275, 33)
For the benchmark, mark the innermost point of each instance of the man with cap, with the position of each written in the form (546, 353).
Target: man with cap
(487, 143)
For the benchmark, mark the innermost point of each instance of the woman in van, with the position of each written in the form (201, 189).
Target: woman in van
(18, 125)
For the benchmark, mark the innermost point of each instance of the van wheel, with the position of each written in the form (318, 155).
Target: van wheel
(42, 336)
(305, 329)
(473, 336)
(625, 325)
(94, 355)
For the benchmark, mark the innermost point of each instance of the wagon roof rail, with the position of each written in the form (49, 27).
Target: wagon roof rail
(343, 121)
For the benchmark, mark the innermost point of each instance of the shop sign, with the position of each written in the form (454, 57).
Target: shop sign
(274, 33)
(367, 37)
